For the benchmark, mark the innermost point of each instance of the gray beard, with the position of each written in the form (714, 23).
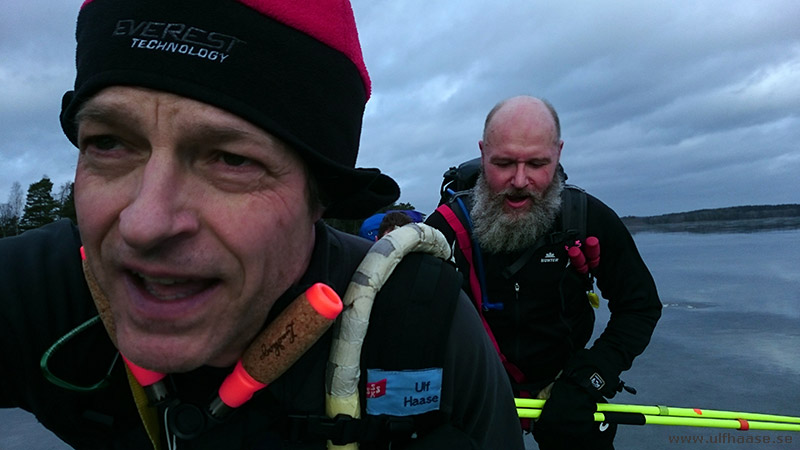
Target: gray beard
(499, 231)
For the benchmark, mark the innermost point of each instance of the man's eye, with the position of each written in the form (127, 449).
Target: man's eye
(234, 160)
(102, 142)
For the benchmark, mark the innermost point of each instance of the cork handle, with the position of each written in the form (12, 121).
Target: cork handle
(290, 335)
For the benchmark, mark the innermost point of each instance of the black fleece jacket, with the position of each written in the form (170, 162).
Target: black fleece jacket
(45, 297)
(547, 320)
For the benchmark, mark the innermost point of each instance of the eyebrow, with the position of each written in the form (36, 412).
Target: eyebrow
(221, 133)
(107, 114)
(498, 159)
(115, 115)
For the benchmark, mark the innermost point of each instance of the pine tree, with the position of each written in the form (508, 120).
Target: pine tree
(66, 202)
(8, 221)
(10, 212)
(40, 206)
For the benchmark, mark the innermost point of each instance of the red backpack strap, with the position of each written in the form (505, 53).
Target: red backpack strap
(464, 242)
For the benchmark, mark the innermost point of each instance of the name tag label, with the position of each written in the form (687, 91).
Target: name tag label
(403, 393)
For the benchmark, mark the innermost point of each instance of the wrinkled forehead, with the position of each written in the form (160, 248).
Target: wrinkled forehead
(137, 104)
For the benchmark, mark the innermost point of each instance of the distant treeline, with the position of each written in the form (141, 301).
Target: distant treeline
(735, 219)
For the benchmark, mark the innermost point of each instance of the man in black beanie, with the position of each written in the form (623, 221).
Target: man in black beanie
(214, 137)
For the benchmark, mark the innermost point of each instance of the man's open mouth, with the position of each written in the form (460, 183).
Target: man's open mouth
(166, 288)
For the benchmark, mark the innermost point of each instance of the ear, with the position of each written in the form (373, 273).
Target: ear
(316, 216)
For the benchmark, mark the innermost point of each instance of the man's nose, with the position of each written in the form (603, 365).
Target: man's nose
(158, 211)
(520, 179)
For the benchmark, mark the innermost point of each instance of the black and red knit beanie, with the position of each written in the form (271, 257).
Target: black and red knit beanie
(292, 68)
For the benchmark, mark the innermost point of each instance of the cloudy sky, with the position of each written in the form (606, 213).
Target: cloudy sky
(666, 105)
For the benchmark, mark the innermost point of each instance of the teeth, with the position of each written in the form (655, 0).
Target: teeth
(169, 288)
(164, 281)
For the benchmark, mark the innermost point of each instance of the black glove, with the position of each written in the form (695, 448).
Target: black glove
(570, 408)
(591, 371)
(586, 379)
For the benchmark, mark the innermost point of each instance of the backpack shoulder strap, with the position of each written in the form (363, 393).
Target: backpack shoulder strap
(458, 221)
(344, 380)
(421, 293)
(457, 214)
(407, 298)
(573, 210)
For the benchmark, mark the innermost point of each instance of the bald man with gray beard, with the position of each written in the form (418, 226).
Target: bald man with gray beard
(512, 241)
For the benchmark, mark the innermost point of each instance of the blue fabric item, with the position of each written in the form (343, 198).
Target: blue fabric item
(369, 228)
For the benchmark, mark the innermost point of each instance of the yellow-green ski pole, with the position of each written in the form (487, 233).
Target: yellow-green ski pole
(645, 419)
(664, 415)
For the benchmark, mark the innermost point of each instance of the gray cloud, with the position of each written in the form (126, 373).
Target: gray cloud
(665, 106)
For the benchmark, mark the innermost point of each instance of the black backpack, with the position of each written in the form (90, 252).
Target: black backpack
(461, 178)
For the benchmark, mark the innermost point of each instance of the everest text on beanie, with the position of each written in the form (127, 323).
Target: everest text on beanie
(177, 38)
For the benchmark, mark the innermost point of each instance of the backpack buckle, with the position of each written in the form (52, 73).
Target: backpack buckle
(344, 429)
(340, 430)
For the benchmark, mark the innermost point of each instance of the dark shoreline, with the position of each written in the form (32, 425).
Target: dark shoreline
(716, 226)
(735, 219)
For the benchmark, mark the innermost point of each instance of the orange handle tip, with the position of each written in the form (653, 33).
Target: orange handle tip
(324, 300)
(239, 387)
(144, 376)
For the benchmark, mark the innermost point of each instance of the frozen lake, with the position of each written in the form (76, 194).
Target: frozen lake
(729, 336)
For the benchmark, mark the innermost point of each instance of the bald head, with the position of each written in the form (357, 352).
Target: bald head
(523, 113)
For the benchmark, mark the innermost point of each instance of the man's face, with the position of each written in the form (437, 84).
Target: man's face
(520, 156)
(194, 222)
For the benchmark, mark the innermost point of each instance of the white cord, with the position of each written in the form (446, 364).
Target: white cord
(171, 444)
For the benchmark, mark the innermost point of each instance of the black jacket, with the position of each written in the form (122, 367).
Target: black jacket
(547, 319)
(45, 296)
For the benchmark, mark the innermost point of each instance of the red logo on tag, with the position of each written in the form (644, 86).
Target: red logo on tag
(376, 389)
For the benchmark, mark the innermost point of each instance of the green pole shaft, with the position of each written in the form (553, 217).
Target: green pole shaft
(708, 423)
(528, 413)
(672, 411)
(529, 402)
(628, 418)
(695, 413)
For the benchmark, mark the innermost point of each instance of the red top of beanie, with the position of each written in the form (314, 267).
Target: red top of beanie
(328, 21)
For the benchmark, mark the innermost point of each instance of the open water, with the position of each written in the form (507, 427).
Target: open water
(729, 339)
